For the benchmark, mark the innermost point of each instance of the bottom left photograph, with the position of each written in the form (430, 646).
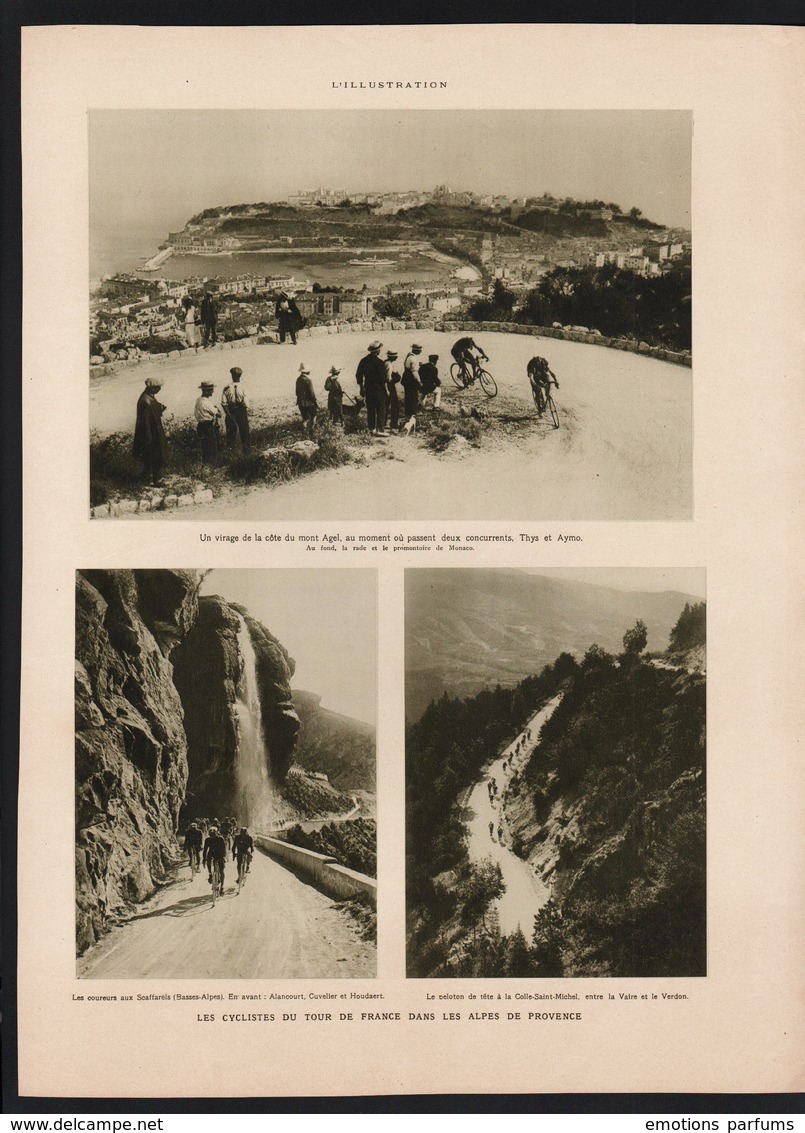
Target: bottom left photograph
(225, 766)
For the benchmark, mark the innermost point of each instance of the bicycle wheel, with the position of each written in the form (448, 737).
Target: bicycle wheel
(488, 383)
(457, 374)
(554, 412)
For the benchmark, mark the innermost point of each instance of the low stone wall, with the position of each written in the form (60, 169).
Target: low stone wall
(573, 334)
(324, 872)
(567, 334)
(156, 501)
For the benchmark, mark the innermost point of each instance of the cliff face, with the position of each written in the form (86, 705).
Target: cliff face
(275, 667)
(131, 751)
(209, 675)
(208, 668)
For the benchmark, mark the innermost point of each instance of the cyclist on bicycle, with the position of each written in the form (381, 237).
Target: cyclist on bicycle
(463, 353)
(215, 853)
(243, 847)
(541, 377)
(192, 844)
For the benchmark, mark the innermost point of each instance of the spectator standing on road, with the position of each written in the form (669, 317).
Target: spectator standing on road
(306, 401)
(335, 397)
(208, 418)
(189, 321)
(150, 446)
(412, 388)
(371, 378)
(392, 381)
(236, 411)
(288, 316)
(431, 382)
(209, 318)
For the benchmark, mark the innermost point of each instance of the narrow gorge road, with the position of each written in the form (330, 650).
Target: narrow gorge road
(277, 928)
(525, 893)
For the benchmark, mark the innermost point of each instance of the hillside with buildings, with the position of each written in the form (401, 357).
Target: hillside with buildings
(348, 256)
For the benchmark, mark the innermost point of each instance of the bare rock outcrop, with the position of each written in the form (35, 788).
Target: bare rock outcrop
(131, 751)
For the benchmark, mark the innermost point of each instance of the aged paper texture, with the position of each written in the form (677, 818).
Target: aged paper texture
(715, 508)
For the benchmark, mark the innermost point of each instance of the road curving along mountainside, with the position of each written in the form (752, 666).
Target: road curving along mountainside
(623, 450)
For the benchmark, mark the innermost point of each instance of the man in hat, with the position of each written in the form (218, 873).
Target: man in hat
(288, 317)
(306, 400)
(149, 435)
(392, 381)
(431, 383)
(371, 378)
(208, 416)
(335, 397)
(209, 317)
(412, 387)
(236, 411)
(412, 360)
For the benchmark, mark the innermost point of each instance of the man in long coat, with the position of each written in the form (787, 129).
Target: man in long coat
(209, 318)
(150, 446)
(371, 379)
(288, 316)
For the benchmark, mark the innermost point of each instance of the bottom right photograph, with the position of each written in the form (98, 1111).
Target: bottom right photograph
(555, 770)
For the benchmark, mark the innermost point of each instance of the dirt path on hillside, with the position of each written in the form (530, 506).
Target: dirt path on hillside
(276, 928)
(488, 835)
(623, 451)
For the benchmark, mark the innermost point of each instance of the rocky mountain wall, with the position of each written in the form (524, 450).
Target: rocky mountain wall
(208, 673)
(275, 668)
(131, 750)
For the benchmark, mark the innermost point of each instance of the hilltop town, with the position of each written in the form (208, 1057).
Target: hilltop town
(476, 248)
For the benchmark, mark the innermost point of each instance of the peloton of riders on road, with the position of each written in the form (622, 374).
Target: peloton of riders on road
(208, 842)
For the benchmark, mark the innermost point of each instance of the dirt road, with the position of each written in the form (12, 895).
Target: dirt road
(525, 893)
(277, 928)
(623, 452)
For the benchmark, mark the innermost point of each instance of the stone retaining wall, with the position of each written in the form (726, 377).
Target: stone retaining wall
(324, 872)
(568, 334)
(156, 501)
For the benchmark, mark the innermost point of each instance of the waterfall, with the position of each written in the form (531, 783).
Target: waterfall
(254, 789)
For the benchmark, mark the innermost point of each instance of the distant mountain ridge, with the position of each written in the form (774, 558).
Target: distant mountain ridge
(471, 629)
(335, 745)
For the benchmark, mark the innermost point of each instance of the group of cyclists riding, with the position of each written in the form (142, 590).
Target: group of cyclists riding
(467, 369)
(209, 842)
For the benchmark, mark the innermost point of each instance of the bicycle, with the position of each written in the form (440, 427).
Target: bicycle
(243, 868)
(195, 861)
(217, 882)
(549, 403)
(463, 379)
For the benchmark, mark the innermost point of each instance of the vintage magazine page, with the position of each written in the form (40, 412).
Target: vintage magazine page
(412, 450)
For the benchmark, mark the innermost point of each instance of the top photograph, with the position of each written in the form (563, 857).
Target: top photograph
(379, 314)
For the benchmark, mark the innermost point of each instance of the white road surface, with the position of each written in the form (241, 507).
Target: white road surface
(623, 452)
(276, 928)
(525, 892)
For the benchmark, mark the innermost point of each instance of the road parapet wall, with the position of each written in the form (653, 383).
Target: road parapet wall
(567, 334)
(324, 872)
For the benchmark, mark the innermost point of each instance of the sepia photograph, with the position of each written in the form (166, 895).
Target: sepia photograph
(555, 773)
(225, 774)
(362, 313)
